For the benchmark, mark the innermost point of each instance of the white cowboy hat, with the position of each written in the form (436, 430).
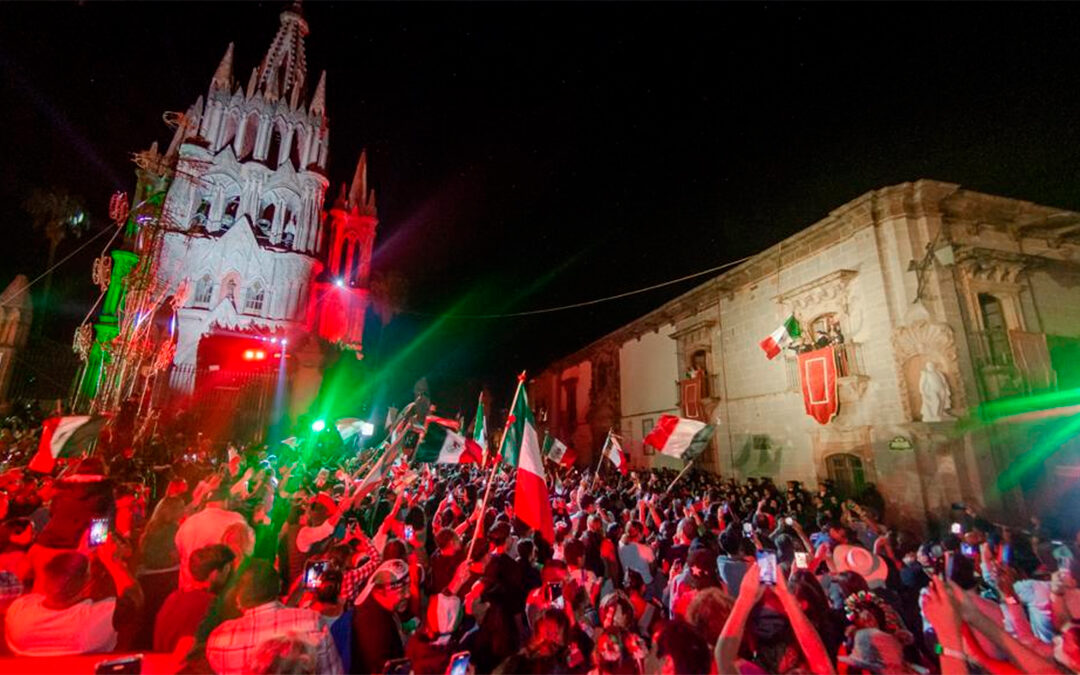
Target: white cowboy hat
(849, 558)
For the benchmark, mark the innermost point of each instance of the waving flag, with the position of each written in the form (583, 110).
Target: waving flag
(441, 445)
(64, 437)
(781, 337)
(558, 452)
(613, 451)
(521, 449)
(678, 437)
(477, 445)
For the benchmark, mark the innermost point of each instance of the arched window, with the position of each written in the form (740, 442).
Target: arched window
(201, 215)
(253, 300)
(296, 149)
(228, 130)
(846, 473)
(228, 290)
(266, 219)
(251, 133)
(274, 152)
(204, 291)
(231, 209)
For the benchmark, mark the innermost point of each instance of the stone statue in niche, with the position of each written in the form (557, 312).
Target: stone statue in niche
(936, 397)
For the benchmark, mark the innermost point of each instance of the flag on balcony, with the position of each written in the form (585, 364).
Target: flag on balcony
(64, 437)
(781, 337)
(677, 437)
(817, 373)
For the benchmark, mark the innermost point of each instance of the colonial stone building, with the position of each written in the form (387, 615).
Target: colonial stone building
(984, 288)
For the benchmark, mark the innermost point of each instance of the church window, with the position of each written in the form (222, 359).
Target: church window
(253, 301)
(296, 150)
(266, 218)
(204, 290)
(231, 209)
(274, 152)
(229, 289)
(847, 474)
(201, 215)
(251, 133)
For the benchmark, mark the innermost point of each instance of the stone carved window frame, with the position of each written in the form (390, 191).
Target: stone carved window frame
(828, 294)
(691, 339)
(995, 273)
(827, 442)
(930, 341)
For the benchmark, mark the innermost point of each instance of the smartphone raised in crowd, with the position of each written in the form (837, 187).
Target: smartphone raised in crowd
(957, 528)
(459, 663)
(748, 529)
(99, 531)
(408, 532)
(313, 573)
(802, 560)
(766, 561)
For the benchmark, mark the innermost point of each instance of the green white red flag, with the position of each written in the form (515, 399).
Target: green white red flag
(441, 445)
(613, 451)
(679, 437)
(64, 437)
(478, 444)
(781, 337)
(558, 452)
(520, 448)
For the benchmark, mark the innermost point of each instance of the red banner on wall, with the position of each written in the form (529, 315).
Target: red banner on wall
(817, 372)
(690, 396)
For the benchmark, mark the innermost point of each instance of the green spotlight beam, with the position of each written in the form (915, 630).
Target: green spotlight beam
(1032, 459)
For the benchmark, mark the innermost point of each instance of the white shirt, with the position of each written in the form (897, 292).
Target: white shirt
(205, 528)
(32, 629)
(637, 556)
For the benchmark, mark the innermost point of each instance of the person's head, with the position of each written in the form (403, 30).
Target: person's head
(16, 535)
(211, 566)
(259, 584)
(837, 532)
(291, 653)
(526, 550)
(448, 541)
(238, 537)
(681, 650)
(551, 633)
(633, 531)
(616, 611)
(687, 531)
(498, 535)
(708, 612)
(168, 512)
(574, 553)
(595, 523)
(65, 578)
(389, 585)
(328, 592)
(635, 583)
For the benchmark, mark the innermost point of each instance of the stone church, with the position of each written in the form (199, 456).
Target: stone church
(957, 323)
(249, 245)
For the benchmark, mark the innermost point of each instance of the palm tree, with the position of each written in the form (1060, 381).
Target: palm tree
(57, 214)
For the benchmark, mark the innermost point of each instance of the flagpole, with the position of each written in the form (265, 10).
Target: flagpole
(494, 467)
(681, 473)
(603, 453)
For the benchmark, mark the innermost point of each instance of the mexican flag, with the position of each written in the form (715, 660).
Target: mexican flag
(679, 437)
(64, 437)
(558, 452)
(442, 445)
(781, 337)
(477, 445)
(613, 451)
(521, 448)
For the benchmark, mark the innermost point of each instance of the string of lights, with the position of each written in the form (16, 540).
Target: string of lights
(585, 303)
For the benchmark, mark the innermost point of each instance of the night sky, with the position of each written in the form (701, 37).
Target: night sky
(529, 155)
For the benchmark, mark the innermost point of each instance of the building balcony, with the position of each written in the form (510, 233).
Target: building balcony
(1010, 363)
(851, 377)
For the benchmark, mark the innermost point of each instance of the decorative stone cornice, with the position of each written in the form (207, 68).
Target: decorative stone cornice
(832, 286)
(994, 265)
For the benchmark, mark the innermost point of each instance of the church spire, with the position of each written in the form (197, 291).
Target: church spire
(284, 68)
(361, 199)
(223, 74)
(318, 100)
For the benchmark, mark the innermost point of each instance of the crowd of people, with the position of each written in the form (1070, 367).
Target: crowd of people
(274, 560)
